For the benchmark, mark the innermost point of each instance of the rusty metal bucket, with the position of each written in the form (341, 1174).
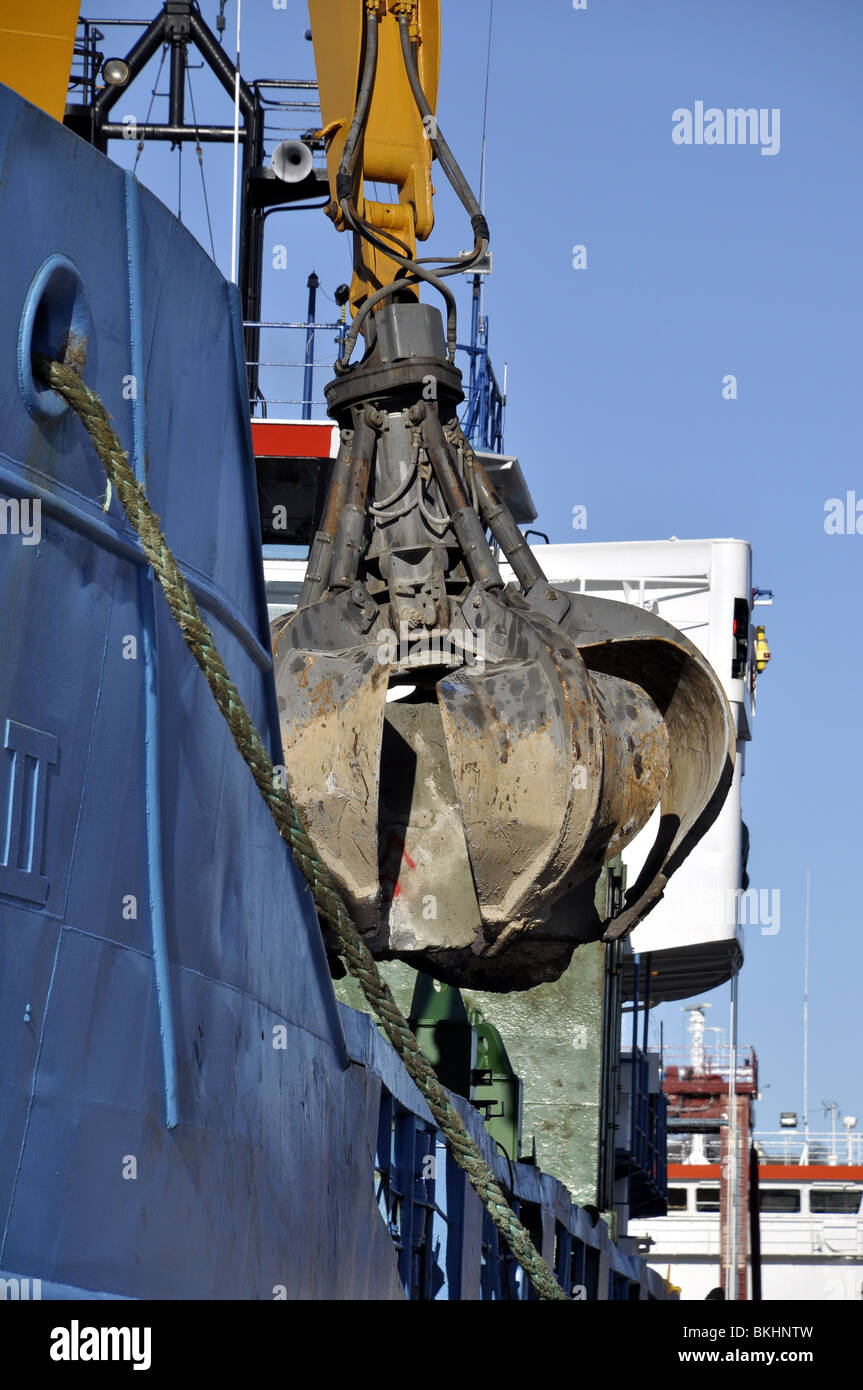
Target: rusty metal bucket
(467, 821)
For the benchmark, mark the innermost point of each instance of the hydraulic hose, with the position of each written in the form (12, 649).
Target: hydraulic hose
(415, 270)
(345, 178)
(477, 553)
(499, 519)
(347, 163)
(393, 288)
(446, 158)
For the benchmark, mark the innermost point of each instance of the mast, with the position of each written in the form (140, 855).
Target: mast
(804, 1158)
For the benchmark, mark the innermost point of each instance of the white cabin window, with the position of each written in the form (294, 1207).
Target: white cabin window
(780, 1199)
(834, 1199)
(678, 1198)
(707, 1198)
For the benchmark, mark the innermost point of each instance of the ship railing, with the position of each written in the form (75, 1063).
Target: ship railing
(714, 1061)
(446, 1246)
(681, 1148)
(293, 114)
(288, 375)
(88, 55)
(795, 1147)
(87, 59)
(789, 1148)
(288, 372)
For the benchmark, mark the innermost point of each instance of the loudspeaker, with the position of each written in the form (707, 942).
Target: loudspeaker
(292, 161)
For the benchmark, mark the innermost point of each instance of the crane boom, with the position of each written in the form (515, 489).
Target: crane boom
(394, 146)
(36, 45)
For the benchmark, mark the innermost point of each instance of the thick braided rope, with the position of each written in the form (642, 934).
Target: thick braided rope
(331, 905)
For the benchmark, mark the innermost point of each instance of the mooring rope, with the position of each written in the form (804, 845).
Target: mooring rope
(333, 909)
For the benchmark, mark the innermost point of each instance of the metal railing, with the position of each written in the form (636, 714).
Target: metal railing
(681, 1146)
(794, 1147)
(87, 59)
(286, 372)
(786, 1147)
(291, 116)
(715, 1061)
(287, 360)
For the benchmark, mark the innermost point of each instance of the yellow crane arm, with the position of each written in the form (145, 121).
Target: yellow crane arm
(36, 43)
(393, 147)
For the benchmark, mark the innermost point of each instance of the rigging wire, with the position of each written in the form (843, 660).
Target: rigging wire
(180, 181)
(200, 155)
(150, 108)
(469, 401)
(482, 160)
(485, 107)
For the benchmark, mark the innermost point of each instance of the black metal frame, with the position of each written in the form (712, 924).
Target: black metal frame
(179, 23)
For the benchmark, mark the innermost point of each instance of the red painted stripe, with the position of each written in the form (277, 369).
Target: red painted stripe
(292, 439)
(773, 1172)
(694, 1171)
(812, 1172)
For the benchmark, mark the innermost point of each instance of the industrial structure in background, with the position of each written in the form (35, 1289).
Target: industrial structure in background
(796, 1194)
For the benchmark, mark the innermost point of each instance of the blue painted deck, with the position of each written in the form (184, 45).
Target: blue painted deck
(155, 935)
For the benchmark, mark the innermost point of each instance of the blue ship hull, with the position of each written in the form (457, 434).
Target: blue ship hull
(164, 933)
(186, 1110)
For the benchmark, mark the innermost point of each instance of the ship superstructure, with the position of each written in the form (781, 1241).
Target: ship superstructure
(802, 1226)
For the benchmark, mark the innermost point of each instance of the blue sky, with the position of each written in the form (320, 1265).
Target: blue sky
(702, 261)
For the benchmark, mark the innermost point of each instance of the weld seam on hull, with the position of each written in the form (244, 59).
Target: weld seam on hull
(26, 1129)
(147, 605)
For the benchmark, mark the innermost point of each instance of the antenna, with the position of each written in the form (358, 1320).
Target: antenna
(696, 1034)
(849, 1122)
(485, 107)
(697, 1148)
(484, 127)
(804, 1158)
(830, 1107)
(733, 1290)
